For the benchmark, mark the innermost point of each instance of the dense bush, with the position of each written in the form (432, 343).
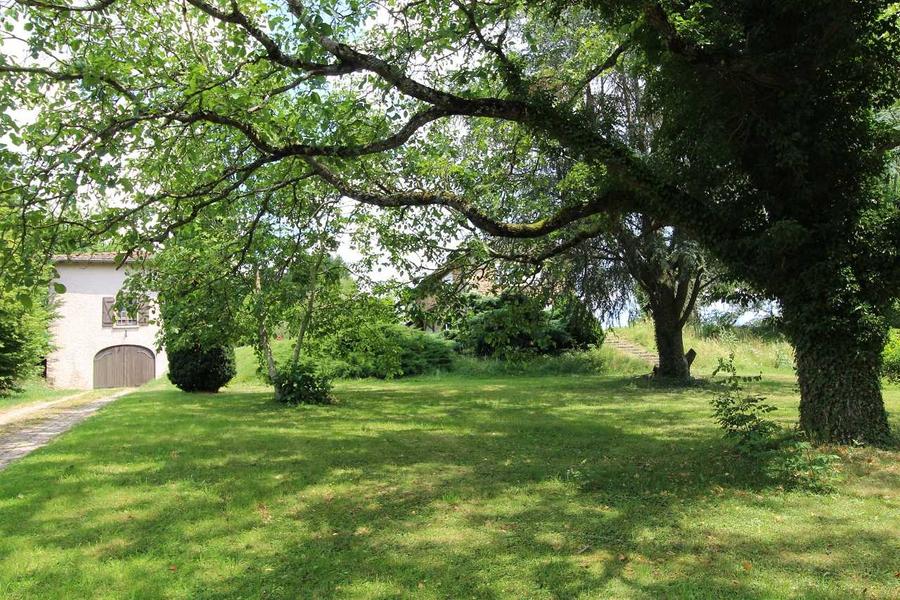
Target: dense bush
(13, 359)
(301, 383)
(571, 362)
(581, 325)
(387, 350)
(362, 337)
(892, 356)
(23, 337)
(512, 323)
(196, 369)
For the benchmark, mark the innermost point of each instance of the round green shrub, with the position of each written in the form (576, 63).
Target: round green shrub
(301, 383)
(196, 369)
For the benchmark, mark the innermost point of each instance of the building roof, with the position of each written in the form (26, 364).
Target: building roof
(93, 257)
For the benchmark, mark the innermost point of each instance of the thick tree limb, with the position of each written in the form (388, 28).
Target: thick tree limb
(416, 122)
(96, 6)
(577, 238)
(563, 217)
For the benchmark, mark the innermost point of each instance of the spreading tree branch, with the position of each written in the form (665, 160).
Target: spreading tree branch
(560, 219)
(96, 6)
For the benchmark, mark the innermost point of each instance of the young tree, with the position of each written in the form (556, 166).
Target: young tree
(220, 284)
(769, 117)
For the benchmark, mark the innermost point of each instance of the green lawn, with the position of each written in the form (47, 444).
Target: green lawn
(444, 487)
(33, 391)
(752, 354)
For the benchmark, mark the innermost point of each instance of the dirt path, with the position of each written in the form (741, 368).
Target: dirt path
(24, 411)
(25, 435)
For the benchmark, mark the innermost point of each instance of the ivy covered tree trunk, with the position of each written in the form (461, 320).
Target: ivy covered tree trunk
(839, 372)
(669, 335)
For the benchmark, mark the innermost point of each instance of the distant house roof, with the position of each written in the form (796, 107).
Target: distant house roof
(94, 257)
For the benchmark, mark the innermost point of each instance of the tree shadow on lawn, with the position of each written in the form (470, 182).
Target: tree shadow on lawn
(506, 491)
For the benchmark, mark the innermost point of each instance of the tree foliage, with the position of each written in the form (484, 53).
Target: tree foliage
(24, 337)
(232, 276)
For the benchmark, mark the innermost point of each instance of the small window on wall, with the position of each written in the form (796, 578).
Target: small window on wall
(123, 319)
(113, 317)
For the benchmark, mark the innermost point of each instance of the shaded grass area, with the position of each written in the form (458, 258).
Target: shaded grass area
(35, 390)
(753, 355)
(440, 487)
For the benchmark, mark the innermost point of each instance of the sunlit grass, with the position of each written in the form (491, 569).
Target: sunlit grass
(752, 355)
(438, 487)
(35, 390)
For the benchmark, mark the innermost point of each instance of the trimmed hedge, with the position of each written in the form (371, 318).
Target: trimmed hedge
(197, 369)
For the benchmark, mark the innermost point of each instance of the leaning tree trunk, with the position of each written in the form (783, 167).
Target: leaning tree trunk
(839, 359)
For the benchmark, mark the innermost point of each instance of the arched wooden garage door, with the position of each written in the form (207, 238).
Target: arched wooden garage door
(123, 366)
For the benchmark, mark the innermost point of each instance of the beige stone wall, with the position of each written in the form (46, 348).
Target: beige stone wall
(78, 332)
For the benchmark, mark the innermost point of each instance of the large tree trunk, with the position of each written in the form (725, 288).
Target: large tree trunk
(839, 359)
(669, 344)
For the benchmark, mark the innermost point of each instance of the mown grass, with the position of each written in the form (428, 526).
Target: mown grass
(753, 355)
(35, 390)
(436, 487)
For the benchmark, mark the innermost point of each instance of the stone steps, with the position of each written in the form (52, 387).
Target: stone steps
(630, 348)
